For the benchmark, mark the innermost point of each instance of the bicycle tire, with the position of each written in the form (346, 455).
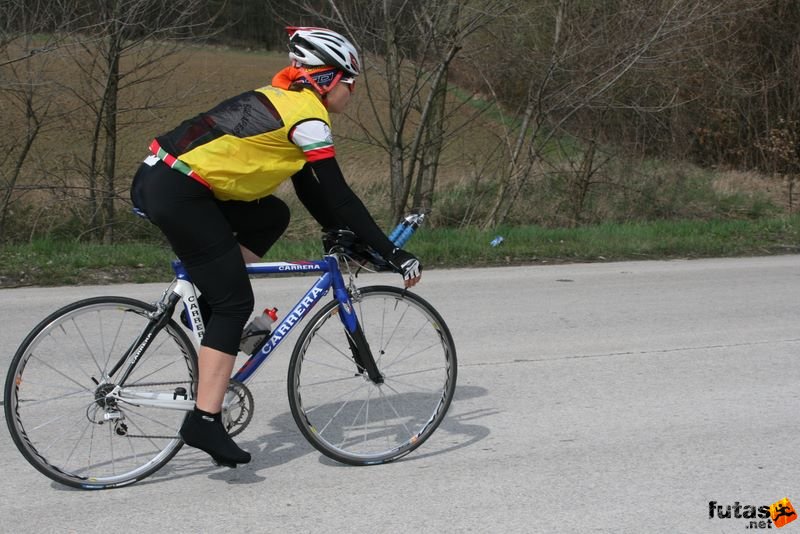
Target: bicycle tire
(335, 406)
(54, 404)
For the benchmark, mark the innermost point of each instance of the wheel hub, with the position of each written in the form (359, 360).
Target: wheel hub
(101, 396)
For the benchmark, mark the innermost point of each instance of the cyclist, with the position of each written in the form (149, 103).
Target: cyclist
(208, 185)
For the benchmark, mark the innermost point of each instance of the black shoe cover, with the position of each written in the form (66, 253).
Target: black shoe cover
(205, 431)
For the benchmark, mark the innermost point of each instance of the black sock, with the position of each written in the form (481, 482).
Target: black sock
(205, 431)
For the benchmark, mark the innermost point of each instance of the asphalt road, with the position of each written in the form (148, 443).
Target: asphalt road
(615, 397)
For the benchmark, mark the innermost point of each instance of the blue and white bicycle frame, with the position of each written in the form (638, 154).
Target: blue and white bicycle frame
(182, 290)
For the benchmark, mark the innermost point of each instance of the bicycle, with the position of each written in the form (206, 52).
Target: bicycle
(370, 378)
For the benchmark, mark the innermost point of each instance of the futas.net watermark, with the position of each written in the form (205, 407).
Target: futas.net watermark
(776, 515)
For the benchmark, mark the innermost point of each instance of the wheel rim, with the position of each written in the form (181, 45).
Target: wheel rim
(354, 420)
(60, 417)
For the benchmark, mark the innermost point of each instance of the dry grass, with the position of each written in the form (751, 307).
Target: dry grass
(775, 188)
(192, 80)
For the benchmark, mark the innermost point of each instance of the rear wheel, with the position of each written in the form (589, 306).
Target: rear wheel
(57, 394)
(347, 416)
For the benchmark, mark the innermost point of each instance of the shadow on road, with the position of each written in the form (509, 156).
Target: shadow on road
(286, 443)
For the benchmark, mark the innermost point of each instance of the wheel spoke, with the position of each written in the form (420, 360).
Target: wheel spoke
(88, 348)
(336, 349)
(43, 362)
(348, 394)
(77, 442)
(416, 353)
(411, 385)
(394, 410)
(72, 393)
(335, 415)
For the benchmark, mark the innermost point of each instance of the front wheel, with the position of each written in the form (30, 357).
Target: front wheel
(59, 402)
(349, 417)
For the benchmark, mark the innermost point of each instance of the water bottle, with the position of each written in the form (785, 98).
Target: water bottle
(497, 241)
(397, 230)
(258, 330)
(409, 226)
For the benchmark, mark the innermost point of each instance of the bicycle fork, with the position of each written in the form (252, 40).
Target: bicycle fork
(359, 347)
(362, 355)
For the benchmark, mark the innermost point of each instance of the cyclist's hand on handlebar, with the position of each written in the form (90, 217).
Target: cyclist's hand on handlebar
(406, 264)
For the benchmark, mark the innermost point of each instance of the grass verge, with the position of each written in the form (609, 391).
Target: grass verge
(54, 263)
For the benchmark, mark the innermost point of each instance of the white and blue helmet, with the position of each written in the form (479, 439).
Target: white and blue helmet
(317, 47)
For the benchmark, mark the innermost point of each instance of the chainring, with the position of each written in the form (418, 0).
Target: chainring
(237, 408)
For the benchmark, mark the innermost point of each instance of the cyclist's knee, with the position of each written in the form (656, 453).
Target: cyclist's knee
(236, 304)
(225, 284)
(228, 317)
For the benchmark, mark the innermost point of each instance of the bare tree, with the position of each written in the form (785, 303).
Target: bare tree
(30, 33)
(749, 88)
(112, 45)
(125, 43)
(594, 49)
(32, 28)
(410, 47)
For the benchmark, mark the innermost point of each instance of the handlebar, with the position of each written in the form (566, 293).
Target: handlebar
(348, 243)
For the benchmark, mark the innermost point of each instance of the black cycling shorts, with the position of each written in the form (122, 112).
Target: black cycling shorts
(205, 234)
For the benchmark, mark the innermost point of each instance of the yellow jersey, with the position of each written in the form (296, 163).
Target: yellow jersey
(247, 145)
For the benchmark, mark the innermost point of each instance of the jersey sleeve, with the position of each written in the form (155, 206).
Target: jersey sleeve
(314, 138)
